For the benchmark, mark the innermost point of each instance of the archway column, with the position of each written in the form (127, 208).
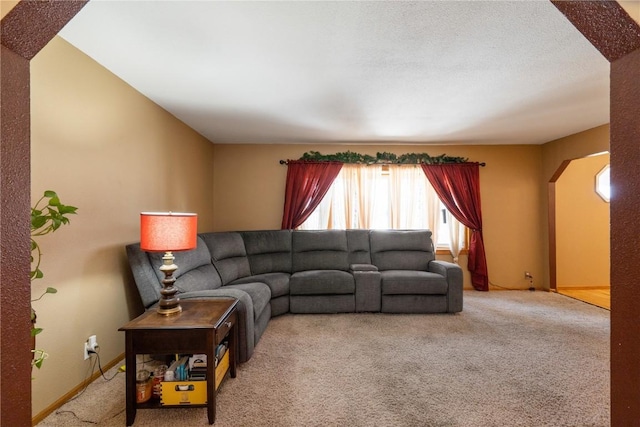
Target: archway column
(15, 289)
(610, 29)
(25, 30)
(625, 240)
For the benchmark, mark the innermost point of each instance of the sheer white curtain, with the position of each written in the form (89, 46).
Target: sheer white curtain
(413, 201)
(356, 201)
(366, 196)
(350, 204)
(405, 198)
(320, 218)
(434, 212)
(340, 207)
(456, 236)
(371, 184)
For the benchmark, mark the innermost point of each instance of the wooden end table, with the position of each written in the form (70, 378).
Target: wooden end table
(198, 329)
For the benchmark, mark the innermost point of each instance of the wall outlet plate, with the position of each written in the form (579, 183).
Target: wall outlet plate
(91, 344)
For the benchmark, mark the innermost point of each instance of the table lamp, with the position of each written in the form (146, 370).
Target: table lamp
(168, 232)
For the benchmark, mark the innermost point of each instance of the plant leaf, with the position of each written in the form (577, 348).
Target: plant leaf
(55, 201)
(64, 209)
(38, 221)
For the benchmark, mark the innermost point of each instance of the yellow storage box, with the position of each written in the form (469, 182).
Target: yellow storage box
(222, 368)
(183, 393)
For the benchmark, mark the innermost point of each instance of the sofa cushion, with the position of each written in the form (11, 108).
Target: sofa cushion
(228, 255)
(277, 282)
(308, 304)
(407, 282)
(268, 251)
(321, 282)
(358, 244)
(259, 293)
(199, 279)
(319, 250)
(401, 249)
(195, 271)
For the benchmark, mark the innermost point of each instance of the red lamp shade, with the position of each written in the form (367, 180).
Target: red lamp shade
(168, 231)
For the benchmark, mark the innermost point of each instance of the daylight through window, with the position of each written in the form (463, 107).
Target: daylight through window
(603, 184)
(387, 197)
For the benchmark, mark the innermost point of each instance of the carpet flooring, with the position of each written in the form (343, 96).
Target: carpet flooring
(511, 358)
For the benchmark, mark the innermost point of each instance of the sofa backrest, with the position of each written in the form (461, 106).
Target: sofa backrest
(401, 249)
(195, 271)
(319, 250)
(228, 255)
(358, 244)
(269, 251)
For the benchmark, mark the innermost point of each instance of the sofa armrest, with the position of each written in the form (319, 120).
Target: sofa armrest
(363, 267)
(453, 274)
(368, 287)
(144, 275)
(246, 341)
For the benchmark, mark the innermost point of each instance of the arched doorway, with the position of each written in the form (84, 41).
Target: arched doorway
(580, 218)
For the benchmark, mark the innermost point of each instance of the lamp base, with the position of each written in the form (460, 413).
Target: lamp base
(169, 303)
(169, 311)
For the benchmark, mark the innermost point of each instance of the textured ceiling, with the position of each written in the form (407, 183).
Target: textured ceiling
(465, 72)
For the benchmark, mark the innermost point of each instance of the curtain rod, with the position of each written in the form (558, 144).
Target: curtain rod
(482, 164)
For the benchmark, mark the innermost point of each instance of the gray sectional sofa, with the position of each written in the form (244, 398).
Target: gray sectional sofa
(274, 272)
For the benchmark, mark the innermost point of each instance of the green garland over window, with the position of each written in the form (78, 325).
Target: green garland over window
(385, 158)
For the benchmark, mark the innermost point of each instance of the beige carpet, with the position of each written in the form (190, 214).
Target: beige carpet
(511, 358)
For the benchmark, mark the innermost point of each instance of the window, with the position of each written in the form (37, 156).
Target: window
(603, 187)
(387, 197)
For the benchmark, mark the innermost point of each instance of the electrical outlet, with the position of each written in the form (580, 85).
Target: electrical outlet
(529, 277)
(90, 345)
(93, 343)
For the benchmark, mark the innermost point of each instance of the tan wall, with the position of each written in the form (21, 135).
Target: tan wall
(632, 7)
(554, 153)
(112, 153)
(6, 6)
(582, 221)
(249, 194)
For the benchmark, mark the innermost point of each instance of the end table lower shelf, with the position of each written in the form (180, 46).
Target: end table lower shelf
(198, 329)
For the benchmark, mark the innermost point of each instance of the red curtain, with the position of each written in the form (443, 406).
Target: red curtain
(307, 183)
(458, 186)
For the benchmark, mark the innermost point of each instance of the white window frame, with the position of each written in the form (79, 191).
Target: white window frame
(603, 183)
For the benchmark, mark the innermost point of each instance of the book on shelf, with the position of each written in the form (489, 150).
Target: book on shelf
(198, 361)
(220, 350)
(198, 374)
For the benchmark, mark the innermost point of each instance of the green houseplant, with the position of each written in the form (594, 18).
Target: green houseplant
(47, 215)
